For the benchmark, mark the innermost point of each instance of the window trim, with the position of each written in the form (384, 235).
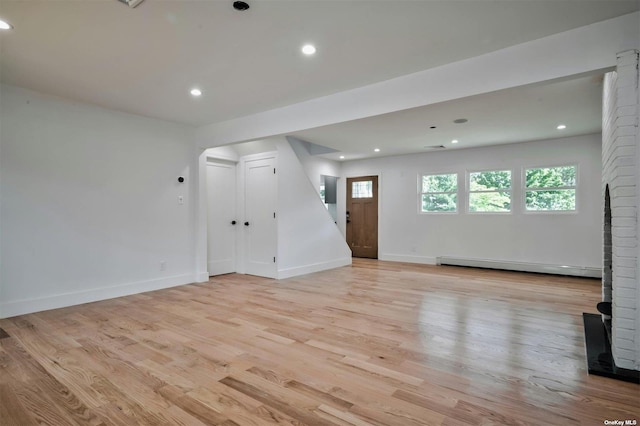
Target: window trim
(456, 192)
(469, 191)
(549, 166)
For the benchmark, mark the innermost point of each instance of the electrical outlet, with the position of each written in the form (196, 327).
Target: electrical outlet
(163, 265)
(180, 199)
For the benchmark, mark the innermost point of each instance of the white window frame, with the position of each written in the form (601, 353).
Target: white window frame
(549, 166)
(456, 192)
(469, 191)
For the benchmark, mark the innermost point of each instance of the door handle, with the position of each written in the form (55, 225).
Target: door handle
(246, 224)
(233, 222)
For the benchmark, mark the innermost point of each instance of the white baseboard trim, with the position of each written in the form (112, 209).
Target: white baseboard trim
(315, 267)
(578, 271)
(27, 306)
(202, 277)
(425, 260)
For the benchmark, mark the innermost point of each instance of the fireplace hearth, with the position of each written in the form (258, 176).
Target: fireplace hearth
(599, 357)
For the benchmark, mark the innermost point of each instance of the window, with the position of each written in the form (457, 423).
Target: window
(362, 189)
(490, 191)
(550, 188)
(439, 193)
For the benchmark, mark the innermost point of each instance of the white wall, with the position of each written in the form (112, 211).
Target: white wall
(222, 153)
(90, 203)
(308, 239)
(314, 166)
(572, 239)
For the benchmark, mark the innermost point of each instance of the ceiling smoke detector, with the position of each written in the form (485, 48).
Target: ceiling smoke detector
(240, 5)
(131, 3)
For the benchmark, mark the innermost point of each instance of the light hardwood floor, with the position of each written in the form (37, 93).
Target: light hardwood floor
(376, 343)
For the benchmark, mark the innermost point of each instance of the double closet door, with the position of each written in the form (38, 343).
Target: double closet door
(241, 218)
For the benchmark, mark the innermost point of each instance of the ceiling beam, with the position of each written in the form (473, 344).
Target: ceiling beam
(578, 51)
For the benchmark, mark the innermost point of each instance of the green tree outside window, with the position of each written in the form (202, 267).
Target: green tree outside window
(490, 191)
(550, 188)
(439, 193)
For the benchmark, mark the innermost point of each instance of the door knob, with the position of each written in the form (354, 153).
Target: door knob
(246, 224)
(233, 222)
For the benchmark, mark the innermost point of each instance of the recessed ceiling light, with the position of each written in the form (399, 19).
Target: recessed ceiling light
(4, 25)
(196, 92)
(377, 150)
(561, 126)
(308, 49)
(454, 141)
(342, 157)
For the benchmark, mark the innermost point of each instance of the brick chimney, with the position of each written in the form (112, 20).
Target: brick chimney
(621, 192)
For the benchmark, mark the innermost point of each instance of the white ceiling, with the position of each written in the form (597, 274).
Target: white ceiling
(145, 60)
(507, 116)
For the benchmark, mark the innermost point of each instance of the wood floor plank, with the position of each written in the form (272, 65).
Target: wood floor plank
(12, 412)
(235, 409)
(197, 409)
(343, 415)
(382, 371)
(325, 397)
(376, 343)
(302, 414)
(438, 403)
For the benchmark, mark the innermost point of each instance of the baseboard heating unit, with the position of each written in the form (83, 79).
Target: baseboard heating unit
(577, 271)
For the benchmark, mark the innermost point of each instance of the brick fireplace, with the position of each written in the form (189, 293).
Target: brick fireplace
(620, 194)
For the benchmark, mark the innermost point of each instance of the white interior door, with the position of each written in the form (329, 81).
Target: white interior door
(221, 217)
(259, 225)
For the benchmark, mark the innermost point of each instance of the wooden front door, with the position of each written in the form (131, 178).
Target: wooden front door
(362, 216)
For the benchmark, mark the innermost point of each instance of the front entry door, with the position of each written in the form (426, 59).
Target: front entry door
(362, 216)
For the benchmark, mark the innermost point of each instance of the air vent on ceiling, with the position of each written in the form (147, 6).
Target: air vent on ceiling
(131, 3)
(435, 147)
